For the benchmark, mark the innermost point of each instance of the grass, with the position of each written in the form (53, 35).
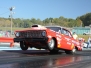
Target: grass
(8, 28)
(84, 36)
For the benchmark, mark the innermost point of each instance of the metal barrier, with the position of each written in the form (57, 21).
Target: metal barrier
(7, 40)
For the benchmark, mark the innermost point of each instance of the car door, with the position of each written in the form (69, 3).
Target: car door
(66, 40)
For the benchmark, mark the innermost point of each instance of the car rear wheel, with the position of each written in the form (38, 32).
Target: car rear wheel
(73, 51)
(23, 45)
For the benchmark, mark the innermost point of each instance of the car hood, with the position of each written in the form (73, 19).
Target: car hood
(33, 28)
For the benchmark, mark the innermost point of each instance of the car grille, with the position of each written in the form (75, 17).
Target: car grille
(31, 34)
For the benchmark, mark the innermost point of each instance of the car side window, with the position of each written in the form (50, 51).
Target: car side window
(69, 34)
(66, 32)
(63, 31)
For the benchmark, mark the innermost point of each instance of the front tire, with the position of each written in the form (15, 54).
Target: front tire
(52, 46)
(23, 46)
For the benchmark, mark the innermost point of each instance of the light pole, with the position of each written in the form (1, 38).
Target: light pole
(11, 8)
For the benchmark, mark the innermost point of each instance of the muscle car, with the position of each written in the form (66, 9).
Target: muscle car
(51, 38)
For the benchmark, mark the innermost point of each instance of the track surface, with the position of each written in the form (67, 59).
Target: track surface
(16, 58)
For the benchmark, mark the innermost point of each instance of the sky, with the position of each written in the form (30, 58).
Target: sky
(42, 9)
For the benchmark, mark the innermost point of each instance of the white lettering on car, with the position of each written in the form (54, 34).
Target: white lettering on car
(58, 35)
(75, 42)
(67, 39)
(68, 43)
(59, 40)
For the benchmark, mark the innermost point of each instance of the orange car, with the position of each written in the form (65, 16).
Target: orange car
(52, 38)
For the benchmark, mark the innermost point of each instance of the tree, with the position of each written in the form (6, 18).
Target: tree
(86, 19)
(17, 22)
(79, 23)
(8, 23)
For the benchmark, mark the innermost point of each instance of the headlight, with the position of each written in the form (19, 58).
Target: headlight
(17, 34)
(43, 33)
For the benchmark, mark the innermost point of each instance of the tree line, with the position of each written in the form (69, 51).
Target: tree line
(84, 20)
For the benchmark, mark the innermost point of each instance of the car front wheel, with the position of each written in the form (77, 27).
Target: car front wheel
(23, 45)
(51, 44)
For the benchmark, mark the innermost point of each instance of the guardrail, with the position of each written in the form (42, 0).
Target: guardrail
(7, 40)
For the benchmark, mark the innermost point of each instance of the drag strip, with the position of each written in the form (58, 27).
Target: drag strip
(14, 57)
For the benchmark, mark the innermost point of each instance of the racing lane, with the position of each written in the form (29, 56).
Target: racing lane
(43, 59)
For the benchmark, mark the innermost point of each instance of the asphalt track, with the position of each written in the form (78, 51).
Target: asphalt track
(14, 57)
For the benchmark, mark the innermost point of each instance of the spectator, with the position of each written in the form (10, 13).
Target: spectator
(7, 34)
(75, 35)
(89, 42)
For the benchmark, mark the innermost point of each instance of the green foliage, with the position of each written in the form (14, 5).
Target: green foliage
(84, 20)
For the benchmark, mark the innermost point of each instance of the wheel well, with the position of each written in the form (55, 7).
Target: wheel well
(76, 48)
(55, 41)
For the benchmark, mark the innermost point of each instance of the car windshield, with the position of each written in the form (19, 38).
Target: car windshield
(54, 28)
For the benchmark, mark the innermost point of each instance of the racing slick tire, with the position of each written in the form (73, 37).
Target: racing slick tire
(23, 45)
(52, 46)
(73, 51)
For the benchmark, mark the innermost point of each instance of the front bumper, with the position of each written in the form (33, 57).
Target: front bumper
(31, 39)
